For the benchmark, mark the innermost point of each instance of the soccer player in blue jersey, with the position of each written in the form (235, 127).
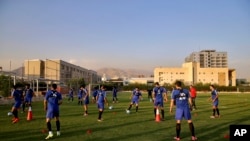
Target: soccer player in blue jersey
(115, 99)
(85, 96)
(52, 100)
(101, 100)
(94, 94)
(71, 95)
(29, 93)
(136, 96)
(159, 96)
(17, 95)
(80, 95)
(215, 99)
(182, 98)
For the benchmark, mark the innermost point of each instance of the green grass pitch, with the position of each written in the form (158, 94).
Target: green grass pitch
(120, 126)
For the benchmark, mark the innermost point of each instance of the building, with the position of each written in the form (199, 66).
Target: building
(206, 66)
(57, 70)
(209, 59)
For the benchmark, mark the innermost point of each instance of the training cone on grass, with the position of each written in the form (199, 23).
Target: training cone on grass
(29, 115)
(157, 117)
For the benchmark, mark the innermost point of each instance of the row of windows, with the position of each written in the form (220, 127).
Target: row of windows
(161, 73)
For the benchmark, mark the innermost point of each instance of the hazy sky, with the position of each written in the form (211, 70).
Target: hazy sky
(137, 34)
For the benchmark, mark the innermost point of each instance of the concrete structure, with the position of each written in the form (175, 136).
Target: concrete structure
(134, 80)
(192, 73)
(58, 70)
(209, 59)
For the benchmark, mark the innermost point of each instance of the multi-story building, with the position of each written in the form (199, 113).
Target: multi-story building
(209, 59)
(206, 66)
(58, 70)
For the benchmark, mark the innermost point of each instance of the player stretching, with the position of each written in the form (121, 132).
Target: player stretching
(85, 96)
(182, 99)
(214, 98)
(28, 96)
(115, 99)
(17, 95)
(135, 97)
(159, 94)
(80, 94)
(52, 100)
(101, 100)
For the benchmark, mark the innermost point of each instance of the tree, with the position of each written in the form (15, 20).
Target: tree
(5, 85)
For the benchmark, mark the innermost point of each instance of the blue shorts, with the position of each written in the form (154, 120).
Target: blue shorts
(135, 101)
(183, 113)
(100, 106)
(86, 101)
(158, 103)
(79, 97)
(52, 113)
(28, 99)
(17, 104)
(216, 103)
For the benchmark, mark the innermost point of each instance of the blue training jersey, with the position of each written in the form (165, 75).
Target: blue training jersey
(101, 96)
(95, 92)
(80, 93)
(159, 91)
(214, 93)
(181, 97)
(17, 94)
(136, 94)
(71, 92)
(29, 93)
(114, 91)
(53, 97)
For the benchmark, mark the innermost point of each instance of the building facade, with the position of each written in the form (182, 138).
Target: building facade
(192, 73)
(58, 70)
(209, 59)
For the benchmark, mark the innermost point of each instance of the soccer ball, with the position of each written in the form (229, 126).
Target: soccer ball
(110, 107)
(128, 111)
(9, 113)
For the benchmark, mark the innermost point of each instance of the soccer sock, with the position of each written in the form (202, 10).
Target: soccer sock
(136, 109)
(162, 113)
(155, 111)
(218, 113)
(78, 102)
(129, 106)
(100, 115)
(58, 125)
(23, 106)
(191, 127)
(81, 102)
(178, 129)
(15, 113)
(213, 112)
(86, 112)
(49, 126)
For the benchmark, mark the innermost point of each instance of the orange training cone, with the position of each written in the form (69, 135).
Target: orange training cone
(29, 115)
(157, 118)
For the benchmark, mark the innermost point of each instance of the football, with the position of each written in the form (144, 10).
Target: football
(9, 114)
(110, 107)
(128, 111)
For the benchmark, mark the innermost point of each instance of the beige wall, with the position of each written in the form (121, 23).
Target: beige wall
(34, 69)
(191, 73)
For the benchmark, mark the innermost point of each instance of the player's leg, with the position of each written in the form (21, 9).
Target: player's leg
(217, 109)
(136, 106)
(178, 117)
(23, 106)
(49, 116)
(162, 111)
(155, 106)
(194, 105)
(101, 108)
(15, 111)
(214, 109)
(187, 116)
(130, 105)
(58, 126)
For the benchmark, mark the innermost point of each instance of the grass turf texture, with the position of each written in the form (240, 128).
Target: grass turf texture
(119, 126)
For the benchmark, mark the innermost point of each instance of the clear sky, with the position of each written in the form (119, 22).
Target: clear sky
(133, 34)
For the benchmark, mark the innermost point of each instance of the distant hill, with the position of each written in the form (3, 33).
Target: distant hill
(116, 72)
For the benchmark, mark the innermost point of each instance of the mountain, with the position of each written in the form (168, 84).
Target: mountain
(116, 72)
